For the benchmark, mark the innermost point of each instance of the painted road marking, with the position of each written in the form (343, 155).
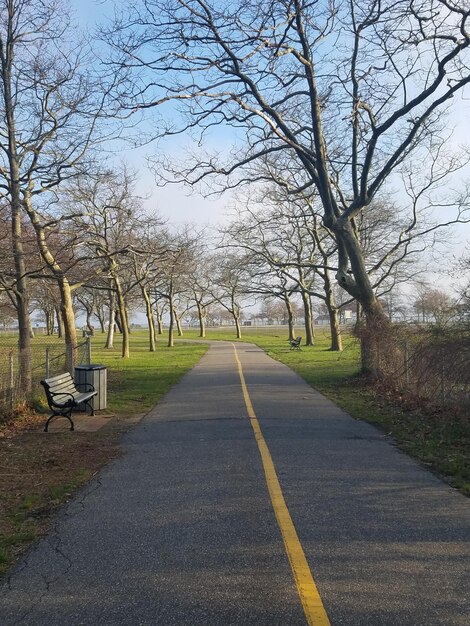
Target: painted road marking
(308, 592)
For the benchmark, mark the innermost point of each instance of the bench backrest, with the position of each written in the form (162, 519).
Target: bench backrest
(60, 387)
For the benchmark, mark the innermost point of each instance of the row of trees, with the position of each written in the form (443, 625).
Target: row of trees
(337, 113)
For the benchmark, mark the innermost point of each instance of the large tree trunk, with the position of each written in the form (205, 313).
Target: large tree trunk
(358, 285)
(308, 319)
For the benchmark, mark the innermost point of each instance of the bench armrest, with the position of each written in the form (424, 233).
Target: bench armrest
(60, 393)
(89, 385)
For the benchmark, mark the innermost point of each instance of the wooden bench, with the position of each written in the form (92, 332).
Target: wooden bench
(63, 397)
(295, 343)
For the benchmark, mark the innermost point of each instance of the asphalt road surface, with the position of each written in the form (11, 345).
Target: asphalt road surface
(183, 530)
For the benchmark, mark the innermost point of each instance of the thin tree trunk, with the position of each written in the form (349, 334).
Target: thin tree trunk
(290, 318)
(111, 324)
(171, 342)
(335, 330)
(123, 318)
(21, 286)
(308, 319)
(117, 320)
(178, 324)
(60, 322)
(336, 339)
(237, 325)
(68, 317)
(150, 319)
(202, 319)
(89, 313)
(100, 316)
(159, 319)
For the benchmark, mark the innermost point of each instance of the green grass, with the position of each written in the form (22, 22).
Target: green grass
(137, 383)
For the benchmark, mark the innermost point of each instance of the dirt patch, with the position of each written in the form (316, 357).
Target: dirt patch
(39, 472)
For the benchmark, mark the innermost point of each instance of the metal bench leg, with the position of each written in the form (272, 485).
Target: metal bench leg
(92, 410)
(46, 427)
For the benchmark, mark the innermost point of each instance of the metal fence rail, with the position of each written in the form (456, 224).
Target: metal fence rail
(429, 364)
(48, 357)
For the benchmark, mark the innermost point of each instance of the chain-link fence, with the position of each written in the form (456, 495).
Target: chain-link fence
(430, 364)
(48, 357)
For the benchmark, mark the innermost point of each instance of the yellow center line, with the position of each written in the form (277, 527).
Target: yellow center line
(308, 592)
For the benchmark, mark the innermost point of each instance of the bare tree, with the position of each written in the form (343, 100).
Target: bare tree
(351, 90)
(171, 280)
(108, 213)
(50, 108)
(230, 284)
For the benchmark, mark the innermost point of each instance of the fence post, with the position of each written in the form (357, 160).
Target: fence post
(48, 363)
(11, 380)
(88, 349)
(443, 389)
(407, 371)
(69, 358)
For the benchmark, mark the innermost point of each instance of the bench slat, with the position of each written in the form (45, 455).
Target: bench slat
(58, 377)
(69, 387)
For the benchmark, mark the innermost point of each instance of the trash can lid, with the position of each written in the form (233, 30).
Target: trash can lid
(90, 367)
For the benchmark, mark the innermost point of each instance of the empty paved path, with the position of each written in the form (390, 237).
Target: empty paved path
(181, 530)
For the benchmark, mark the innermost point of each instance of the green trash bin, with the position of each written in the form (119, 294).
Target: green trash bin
(95, 375)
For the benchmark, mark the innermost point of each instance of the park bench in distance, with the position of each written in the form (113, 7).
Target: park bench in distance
(63, 397)
(295, 343)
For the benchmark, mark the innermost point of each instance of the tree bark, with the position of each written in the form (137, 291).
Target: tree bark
(308, 319)
(202, 319)
(335, 330)
(171, 342)
(68, 317)
(21, 287)
(178, 324)
(121, 305)
(358, 285)
(150, 319)
(60, 323)
(290, 318)
(236, 317)
(112, 321)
